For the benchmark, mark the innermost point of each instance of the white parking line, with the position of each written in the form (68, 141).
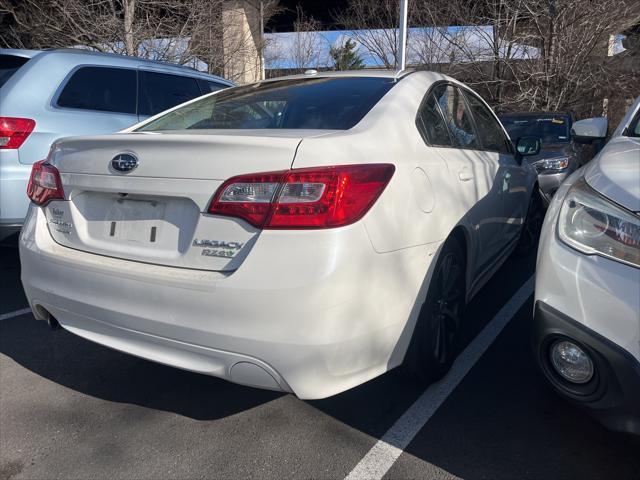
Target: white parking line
(17, 313)
(383, 454)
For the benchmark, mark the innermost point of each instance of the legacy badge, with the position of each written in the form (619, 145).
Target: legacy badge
(218, 248)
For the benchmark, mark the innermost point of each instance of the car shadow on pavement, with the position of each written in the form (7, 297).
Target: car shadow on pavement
(12, 296)
(374, 406)
(504, 422)
(501, 422)
(103, 373)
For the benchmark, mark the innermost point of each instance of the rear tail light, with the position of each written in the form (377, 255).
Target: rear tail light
(44, 184)
(324, 197)
(14, 131)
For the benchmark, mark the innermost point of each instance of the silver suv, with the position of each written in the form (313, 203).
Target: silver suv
(45, 95)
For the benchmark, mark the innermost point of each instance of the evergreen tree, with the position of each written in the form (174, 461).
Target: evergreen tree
(345, 56)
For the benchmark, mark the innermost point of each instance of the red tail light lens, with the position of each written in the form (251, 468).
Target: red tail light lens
(248, 197)
(44, 184)
(324, 197)
(14, 131)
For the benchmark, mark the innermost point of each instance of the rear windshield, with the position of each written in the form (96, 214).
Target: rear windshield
(550, 128)
(319, 103)
(9, 64)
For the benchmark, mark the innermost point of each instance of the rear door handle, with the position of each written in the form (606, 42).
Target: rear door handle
(465, 175)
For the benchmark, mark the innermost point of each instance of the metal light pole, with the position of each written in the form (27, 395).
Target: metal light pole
(402, 41)
(262, 66)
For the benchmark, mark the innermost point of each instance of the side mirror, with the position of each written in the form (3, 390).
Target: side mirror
(590, 129)
(527, 146)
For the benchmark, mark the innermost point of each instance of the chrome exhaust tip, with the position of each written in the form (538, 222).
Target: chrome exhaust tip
(53, 323)
(42, 313)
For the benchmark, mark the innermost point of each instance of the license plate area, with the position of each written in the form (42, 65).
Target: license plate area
(136, 220)
(123, 226)
(132, 225)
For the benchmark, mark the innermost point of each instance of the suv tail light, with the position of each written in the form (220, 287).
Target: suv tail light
(44, 184)
(324, 197)
(14, 131)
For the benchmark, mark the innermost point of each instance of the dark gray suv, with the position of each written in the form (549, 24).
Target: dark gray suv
(559, 156)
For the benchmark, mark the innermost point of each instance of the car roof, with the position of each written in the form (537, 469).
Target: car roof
(78, 55)
(19, 52)
(371, 73)
(363, 73)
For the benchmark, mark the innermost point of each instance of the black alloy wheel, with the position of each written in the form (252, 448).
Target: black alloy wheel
(532, 225)
(436, 339)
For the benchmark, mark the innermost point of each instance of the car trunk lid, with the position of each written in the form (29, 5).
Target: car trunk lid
(157, 212)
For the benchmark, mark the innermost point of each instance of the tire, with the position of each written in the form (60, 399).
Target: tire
(530, 233)
(436, 339)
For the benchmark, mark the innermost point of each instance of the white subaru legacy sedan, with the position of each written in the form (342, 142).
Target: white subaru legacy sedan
(302, 234)
(587, 315)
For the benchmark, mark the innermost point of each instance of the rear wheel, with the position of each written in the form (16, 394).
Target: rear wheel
(532, 226)
(436, 338)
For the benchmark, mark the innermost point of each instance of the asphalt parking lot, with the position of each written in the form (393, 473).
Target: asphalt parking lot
(73, 409)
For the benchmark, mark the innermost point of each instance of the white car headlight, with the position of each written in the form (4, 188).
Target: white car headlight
(559, 163)
(595, 225)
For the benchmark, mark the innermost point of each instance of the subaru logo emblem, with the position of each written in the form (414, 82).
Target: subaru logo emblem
(124, 162)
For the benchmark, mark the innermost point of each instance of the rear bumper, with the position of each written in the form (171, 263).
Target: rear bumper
(303, 320)
(613, 396)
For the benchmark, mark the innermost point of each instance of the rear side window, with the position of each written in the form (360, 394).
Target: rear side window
(431, 123)
(9, 64)
(105, 89)
(491, 135)
(457, 117)
(207, 87)
(159, 91)
(318, 103)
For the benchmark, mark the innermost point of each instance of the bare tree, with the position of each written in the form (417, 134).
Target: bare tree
(104, 25)
(306, 48)
(475, 40)
(520, 54)
(373, 25)
(428, 46)
(572, 38)
(527, 54)
(220, 36)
